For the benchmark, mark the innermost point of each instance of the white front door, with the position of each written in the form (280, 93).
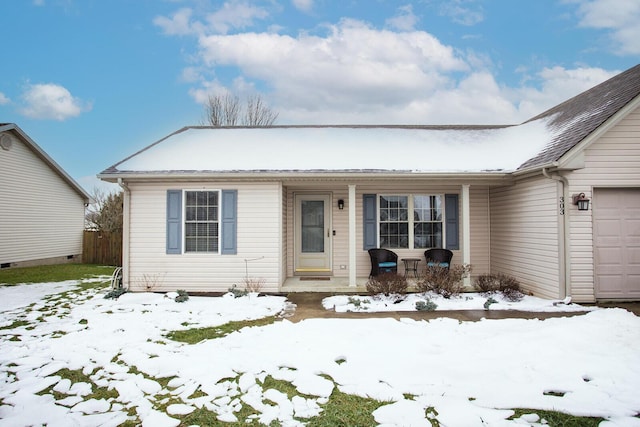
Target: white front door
(313, 233)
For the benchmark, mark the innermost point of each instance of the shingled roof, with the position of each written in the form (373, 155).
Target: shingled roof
(576, 118)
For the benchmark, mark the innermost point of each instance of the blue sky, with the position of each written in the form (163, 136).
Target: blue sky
(93, 81)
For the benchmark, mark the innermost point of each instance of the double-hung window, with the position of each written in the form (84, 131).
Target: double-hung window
(410, 221)
(202, 224)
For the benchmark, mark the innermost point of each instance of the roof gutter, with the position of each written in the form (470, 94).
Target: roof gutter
(563, 223)
(302, 175)
(126, 211)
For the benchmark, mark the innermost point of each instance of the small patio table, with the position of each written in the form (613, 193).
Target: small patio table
(411, 265)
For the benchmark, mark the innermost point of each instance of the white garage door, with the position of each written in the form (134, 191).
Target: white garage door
(616, 217)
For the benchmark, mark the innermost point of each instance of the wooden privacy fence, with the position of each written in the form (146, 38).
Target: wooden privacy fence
(102, 247)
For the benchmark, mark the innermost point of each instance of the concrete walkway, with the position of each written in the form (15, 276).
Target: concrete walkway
(308, 305)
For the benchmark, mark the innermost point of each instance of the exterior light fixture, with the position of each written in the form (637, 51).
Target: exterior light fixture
(340, 204)
(582, 201)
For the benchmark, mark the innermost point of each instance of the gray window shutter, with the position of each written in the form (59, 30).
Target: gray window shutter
(229, 222)
(451, 212)
(174, 221)
(369, 221)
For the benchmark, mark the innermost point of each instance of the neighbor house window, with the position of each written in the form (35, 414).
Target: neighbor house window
(410, 221)
(201, 225)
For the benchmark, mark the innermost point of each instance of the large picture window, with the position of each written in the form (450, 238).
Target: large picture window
(410, 221)
(201, 225)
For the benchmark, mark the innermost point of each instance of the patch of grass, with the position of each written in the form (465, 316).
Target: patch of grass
(559, 419)
(432, 416)
(346, 410)
(77, 376)
(195, 335)
(15, 324)
(52, 273)
(282, 386)
(204, 417)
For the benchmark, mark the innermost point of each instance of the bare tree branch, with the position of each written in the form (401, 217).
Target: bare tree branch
(258, 113)
(227, 110)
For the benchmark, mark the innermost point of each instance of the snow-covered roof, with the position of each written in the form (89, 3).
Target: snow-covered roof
(341, 149)
(536, 143)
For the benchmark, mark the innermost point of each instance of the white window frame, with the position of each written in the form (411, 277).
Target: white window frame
(184, 220)
(410, 220)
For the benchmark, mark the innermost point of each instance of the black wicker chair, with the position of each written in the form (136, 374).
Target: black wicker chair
(383, 261)
(438, 257)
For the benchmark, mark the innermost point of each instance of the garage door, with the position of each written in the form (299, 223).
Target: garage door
(616, 216)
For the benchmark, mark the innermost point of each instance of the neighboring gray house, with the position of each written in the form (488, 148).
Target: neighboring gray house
(298, 206)
(41, 206)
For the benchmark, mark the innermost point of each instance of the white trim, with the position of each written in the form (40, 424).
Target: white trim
(410, 221)
(352, 235)
(184, 220)
(466, 231)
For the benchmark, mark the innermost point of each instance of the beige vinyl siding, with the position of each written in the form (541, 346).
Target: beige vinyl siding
(613, 161)
(258, 242)
(41, 216)
(480, 230)
(524, 234)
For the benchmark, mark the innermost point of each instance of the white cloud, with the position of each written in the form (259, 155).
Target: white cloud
(303, 5)
(557, 84)
(621, 17)
(4, 99)
(353, 64)
(51, 101)
(354, 73)
(405, 20)
(179, 23)
(464, 12)
(234, 14)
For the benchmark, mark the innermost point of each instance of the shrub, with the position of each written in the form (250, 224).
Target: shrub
(443, 281)
(387, 284)
(427, 305)
(252, 284)
(182, 296)
(488, 302)
(237, 292)
(505, 284)
(115, 293)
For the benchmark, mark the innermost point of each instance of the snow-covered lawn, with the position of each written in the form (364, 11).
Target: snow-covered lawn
(469, 373)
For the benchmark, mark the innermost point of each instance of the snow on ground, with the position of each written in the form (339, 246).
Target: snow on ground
(472, 373)
(464, 301)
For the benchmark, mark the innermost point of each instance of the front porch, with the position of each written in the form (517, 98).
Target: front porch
(324, 284)
(328, 284)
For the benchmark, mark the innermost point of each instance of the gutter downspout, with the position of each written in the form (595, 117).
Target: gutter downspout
(126, 203)
(565, 256)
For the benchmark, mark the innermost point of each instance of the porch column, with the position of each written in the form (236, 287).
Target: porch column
(352, 235)
(466, 231)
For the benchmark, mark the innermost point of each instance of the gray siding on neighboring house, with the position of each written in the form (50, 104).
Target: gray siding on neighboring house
(524, 234)
(41, 215)
(258, 241)
(613, 161)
